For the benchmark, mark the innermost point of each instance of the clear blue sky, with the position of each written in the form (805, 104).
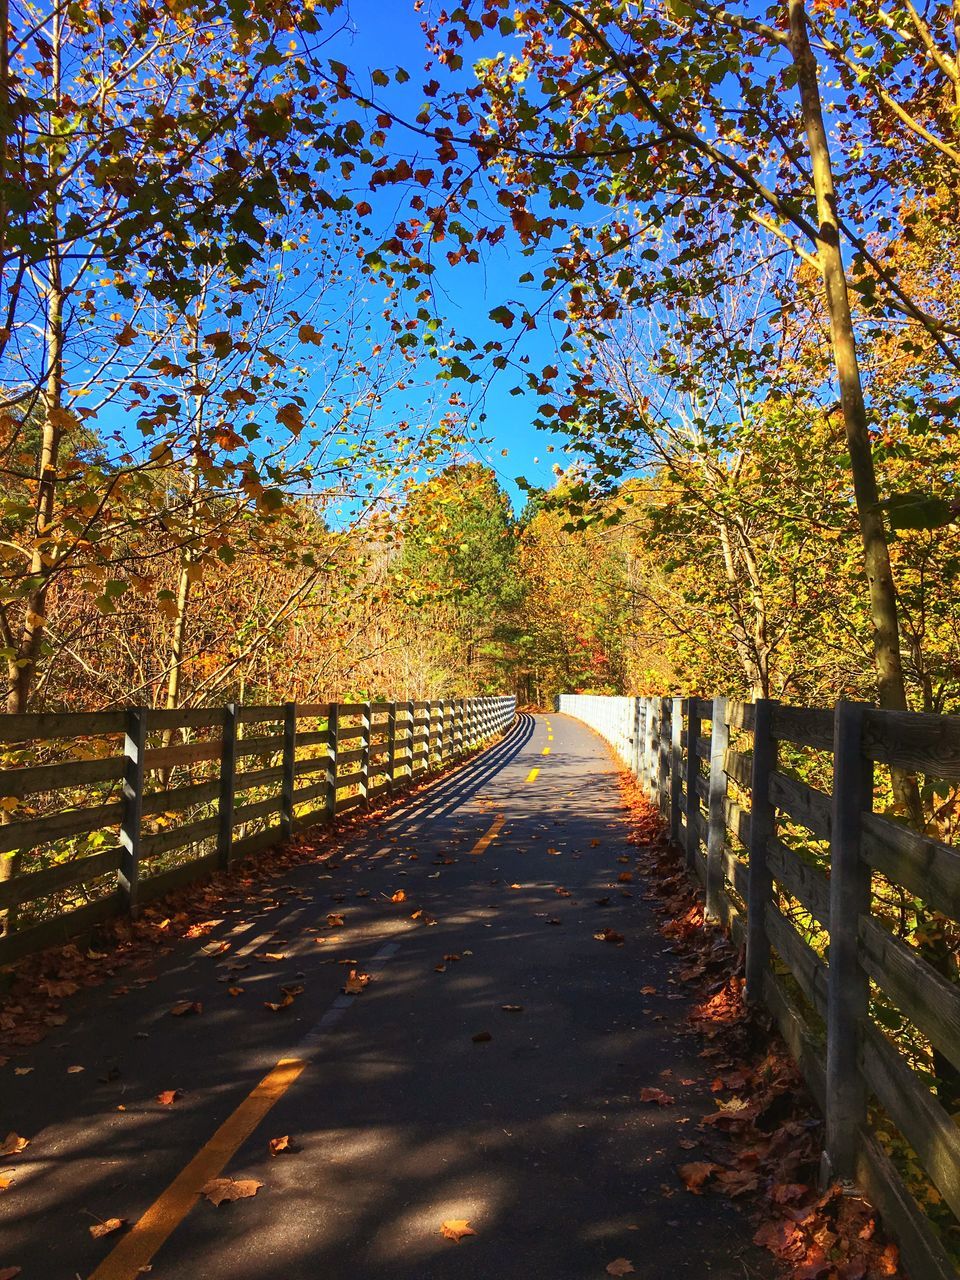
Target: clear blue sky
(386, 34)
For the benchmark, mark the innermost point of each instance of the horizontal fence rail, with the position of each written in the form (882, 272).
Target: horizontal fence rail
(783, 814)
(105, 811)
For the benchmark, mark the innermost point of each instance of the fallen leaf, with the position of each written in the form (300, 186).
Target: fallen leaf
(334, 921)
(168, 1097)
(9, 1273)
(22, 1071)
(610, 935)
(74, 1070)
(275, 1006)
(512, 1008)
(276, 1145)
(183, 1007)
(594, 844)
(5, 1181)
(625, 877)
(101, 1229)
(399, 896)
(234, 991)
(456, 1228)
(619, 1266)
(694, 1175)
(658, 1096)
(218, 1190)
(271, 957)
(355, 983)
(13, 1144)
(648, 991)
(481, 1037)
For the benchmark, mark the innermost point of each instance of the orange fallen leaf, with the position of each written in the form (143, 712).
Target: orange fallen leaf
(101, 1229)
(648, 991)
(275, 1006)
(218, 1190)
(625, 877)
(74, 1070)
(167, 1097)
(183, 1007)
(696, 1173)
(610, 935)
(9, 1273)
(355, 983)
(619, 1266)
(334, 921)
(234, 991)
(276, 1145)
(399, 896)
(512, 1008)
(594, 844)
(456, 1228)
(658, 1096)
(5, 1182)
(13, 1144)
(271, 957)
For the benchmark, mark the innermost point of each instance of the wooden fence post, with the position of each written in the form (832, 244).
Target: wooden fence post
(693, 783)
(333, 734)
(716, 819)
(649, 739)
(676, 766)
(367, 724)
(134, 746)
(391, 746)
(289, 769)
(228, 774)
(763, 821)
(848, 990)
(664, 706)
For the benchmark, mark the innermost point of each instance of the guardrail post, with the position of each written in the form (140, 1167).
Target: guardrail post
(763, 821)
(134, 747)
(716, 819)
(847, 985)
(693, 783)
(648, 747)
(676, 766)
(228, 774)
(636, 747)
(333, 733)
(664, 706)
(289, 769)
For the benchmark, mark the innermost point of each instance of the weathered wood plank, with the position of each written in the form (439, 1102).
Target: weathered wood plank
(42, 725)
(913, 740)
(923, 1254)
(351, 780)
(155, 886)
(38, 884)
(271, 746)
(178, 837)
(805, 726)
(314, 765)
(256, 842)
(57, 777)
(183, 717)
(59, 826)
(736, 873)
(804, 804)
(738, 767)
(914, 986)
(929, 869)
(313, 710)
(186, 753)
(809, 886)
(259, 715)
(803, 962)
(740, 715)
(738, 821)
(257, 778)
(259, 809)
(55, 932)
(917, 1114)
(180, 798)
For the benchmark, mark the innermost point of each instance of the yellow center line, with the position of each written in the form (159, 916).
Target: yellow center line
(546, 751)
(134, 1251)
(489, 835)
(532, 775)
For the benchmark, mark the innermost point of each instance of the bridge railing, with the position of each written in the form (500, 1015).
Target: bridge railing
(105, 811)
(845, 912)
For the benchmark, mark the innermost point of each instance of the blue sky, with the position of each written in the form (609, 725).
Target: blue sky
(386, 34)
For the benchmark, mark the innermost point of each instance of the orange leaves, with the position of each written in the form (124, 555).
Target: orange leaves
(399, 896)
(287, 996)
(167, 1097)
(276, 1146)
(356, 982)
(184, 1007)
(625, 877)
(225, 1190)
(611, 936)
(334, 920)
(107, 1228)
(291, 417)
(271, 957)
(512, 1008)
(620, 1267)
(456, 1229)
(695, 1174)
(13, 1144)
(658, 1096)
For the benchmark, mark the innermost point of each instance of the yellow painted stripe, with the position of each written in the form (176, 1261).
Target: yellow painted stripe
(489, 835)
(546, 751)
(135, 1250)
(532, 775)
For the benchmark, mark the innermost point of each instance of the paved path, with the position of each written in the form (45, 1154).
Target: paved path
(403, 1120)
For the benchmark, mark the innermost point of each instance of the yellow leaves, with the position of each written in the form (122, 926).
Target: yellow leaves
(225, 1190)
(456, 1229)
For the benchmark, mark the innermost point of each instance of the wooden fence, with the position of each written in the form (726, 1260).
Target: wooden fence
(105, 811)
(840, 907)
